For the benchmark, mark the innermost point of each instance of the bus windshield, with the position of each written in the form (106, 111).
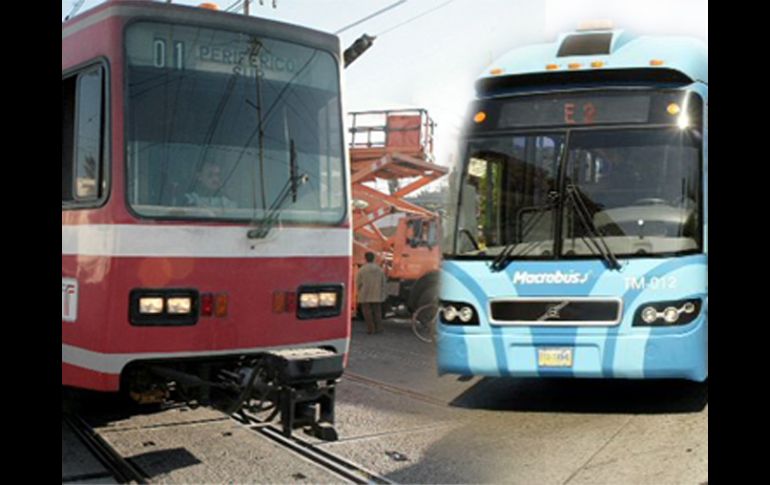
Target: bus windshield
(551, 195)
(220, 122)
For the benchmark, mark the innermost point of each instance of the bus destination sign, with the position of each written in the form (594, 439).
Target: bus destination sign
(574, 110)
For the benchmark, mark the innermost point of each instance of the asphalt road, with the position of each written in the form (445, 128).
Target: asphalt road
(396, 417)
(520, 430)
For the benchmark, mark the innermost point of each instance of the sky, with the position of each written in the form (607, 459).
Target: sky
(428, 52)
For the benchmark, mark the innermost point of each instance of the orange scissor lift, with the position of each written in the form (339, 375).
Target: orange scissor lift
(391, 155)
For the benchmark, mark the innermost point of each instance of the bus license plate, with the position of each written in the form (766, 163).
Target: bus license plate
(560, 357)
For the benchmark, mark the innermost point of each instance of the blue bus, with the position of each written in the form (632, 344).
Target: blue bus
(579, 221)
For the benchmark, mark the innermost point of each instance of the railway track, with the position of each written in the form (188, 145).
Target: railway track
(116, 467)
(347, 470)
(403, 391)
(122, 470)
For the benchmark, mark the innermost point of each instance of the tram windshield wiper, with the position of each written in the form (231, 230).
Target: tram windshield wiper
(290, 188)
(594, 235)
(501, 260)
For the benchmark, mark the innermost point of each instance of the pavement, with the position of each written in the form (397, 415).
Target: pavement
(396, 417)
(534, 431)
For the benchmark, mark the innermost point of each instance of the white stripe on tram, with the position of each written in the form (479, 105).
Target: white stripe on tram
(137, 240)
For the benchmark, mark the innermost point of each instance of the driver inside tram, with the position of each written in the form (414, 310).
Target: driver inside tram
(207, 189)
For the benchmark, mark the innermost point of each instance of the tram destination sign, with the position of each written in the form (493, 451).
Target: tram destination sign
(188, 48)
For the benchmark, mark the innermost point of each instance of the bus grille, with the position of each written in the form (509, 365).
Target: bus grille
(556, 311)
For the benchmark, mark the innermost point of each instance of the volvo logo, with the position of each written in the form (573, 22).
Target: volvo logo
(553, 312)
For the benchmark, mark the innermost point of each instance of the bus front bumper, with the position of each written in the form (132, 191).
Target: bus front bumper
(651, 353)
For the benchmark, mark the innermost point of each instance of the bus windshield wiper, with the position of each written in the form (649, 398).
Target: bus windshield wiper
(501, 260)
(574, 195)
(289, 188)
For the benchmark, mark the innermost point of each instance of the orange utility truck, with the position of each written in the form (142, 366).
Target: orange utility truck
(391, 155)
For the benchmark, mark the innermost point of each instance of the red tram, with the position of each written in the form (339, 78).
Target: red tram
(206, 238)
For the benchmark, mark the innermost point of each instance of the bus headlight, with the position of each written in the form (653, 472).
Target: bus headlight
(450, 313)
(649, 315)
(668, 313)
(458, 313)
(466, 314)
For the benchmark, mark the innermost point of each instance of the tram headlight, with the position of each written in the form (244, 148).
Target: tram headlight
(319, 301)
(309, 300)
(458, 313)
(327, 299)
(151, 305)
(163, 306)
(323, 299)
(179, 305)
(668, 313)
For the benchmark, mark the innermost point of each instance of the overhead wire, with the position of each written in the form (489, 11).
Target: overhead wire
(410, 20)
(370, 16)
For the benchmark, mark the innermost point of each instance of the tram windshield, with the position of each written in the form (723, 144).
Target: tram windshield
(220, 124)
(567, 192)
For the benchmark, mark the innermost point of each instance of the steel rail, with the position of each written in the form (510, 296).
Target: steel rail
(120, 468)
(345, 469)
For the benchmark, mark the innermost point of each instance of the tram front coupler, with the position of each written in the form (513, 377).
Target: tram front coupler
(297, 384)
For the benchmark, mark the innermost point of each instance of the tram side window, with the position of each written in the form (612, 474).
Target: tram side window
(82, 136)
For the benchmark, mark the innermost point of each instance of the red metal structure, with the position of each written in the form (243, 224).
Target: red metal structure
(206, 241)
(395, 149)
